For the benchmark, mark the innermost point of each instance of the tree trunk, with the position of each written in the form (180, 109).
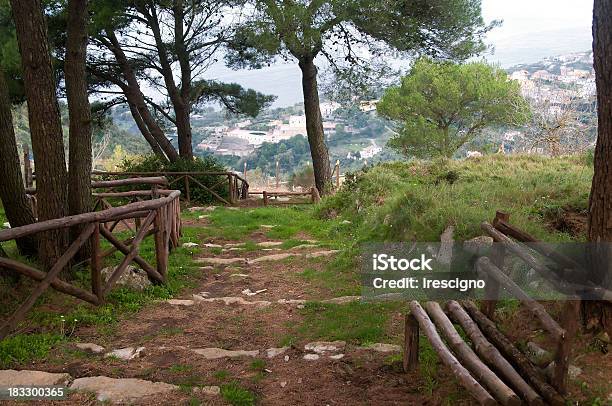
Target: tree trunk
(183, 130)
(314, 127)
(45, 123)
(79, 112)
(12, 192)
(134, 95)
(599, 314)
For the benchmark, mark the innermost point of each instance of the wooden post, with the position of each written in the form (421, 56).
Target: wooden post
(187, 190)
(492, 286)
(27, 167)
(96, 265)
(161, 249)
(245, 170)
(277, 175)
(338, 174)
(265, 198)
(314, 192)
(571, 317)
(411, 343)
(231, 189)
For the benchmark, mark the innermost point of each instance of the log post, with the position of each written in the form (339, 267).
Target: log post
(338, 174)
(265, 198)
(96, 265)
(277, 175)
(463, 376)
(571, 317)
(492, 286)
(491, 355)
(161, 249)
(466, 355)
(524, 366)
(411, 343)
(187, 190)
(316, 197)
(231, 189)
(27, 166)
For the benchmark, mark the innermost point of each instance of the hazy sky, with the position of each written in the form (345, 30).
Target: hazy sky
(522, 16)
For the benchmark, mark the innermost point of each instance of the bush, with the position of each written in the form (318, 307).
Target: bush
(152, 163)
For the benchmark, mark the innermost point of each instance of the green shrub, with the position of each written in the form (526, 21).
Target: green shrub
(152, 163)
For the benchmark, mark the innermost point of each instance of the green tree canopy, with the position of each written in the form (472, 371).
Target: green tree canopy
(440, 106)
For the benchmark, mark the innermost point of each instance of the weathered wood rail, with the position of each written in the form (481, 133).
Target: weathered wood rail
(495, 370)
(159, 216)
(238, 187)
(270, 197)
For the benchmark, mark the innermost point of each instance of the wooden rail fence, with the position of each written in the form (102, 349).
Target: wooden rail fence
(495, 370)
(270, 197)
(159, 216)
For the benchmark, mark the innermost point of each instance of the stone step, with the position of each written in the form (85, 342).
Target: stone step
(121, 390)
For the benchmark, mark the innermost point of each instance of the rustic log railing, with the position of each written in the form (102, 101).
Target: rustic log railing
(270, 197)
(506, 371)
(238, 187)
(159, 216)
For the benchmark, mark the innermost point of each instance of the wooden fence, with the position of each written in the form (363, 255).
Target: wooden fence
(238, 187)
(271, 197)
(159, 216)
(505, 374)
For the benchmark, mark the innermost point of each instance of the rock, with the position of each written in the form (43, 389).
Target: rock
(207, 268)
(228, 300)
(268, 244)
(271, 249)
(11, 377)
(273, 352)
(286, 358)
(337, 356)
(222, 261)
(233, 245)
(209, 245)
(321, 254)
(346, 222)
(342, 299)
(206, 390)
(478, 245)
(267, 226)
(189, 245)
(382, 347)
(538, 355)
(6, 224)
(124, 390)
(321, 347)
(90, 347)
(126, 354)
(311, 357)
(304, 246)
(197, 208)
(132, 277)
(445, 253)
(273, 257)
(572, 371)
(248, 292)
(239, 275)
(216, 353)
(291, 301)
(283, 384)
(473, 154)
(180, 302)
(233, 249)
(203, 216)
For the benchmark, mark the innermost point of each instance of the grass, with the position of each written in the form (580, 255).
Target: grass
(236, 395)
(25, 348)
(358, 323)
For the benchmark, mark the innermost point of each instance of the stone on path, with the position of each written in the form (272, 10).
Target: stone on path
(291, 301)
(180, 302)
(239, 275)
(303, 246)
(321, 254)
(125, 354)
(321, 347)
(206, 390)
(273, 352)
(268, 226)
(189, 245)
(268, 244)
(197, 208)
(11, 377)
(222, 261)
(445, 253)
(132, 277)
(229, 300)
(382, 347)
(123, 390)
(210, 245)
(337, 356)
(311, 357)
(572, 371)
(90, 347)
(216, 353)
(273, 257)
(248, 292)
(342, 300)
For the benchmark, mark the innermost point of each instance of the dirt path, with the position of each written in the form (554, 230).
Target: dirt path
(244, 333)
